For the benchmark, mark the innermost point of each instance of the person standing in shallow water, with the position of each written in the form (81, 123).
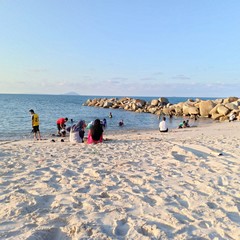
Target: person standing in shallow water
(120, 124)
(35, 125)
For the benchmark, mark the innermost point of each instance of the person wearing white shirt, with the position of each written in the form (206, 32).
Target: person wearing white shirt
(163, 125)
(232, 117)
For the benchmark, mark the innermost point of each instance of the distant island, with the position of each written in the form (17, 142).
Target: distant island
(71, 93)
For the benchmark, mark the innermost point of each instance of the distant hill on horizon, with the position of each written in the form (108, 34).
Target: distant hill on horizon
(71, 93)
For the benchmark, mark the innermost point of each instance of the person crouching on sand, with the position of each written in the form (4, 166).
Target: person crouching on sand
(95, 133)
(35, 125)
(61, 126)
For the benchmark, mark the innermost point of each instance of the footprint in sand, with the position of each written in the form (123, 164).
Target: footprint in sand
(85, 189)
(150, 201)
(181, 217)
(205, 224)
(178, 157)
(223, 181)
(233, 216)
(157, 230)
(122, 228)
(182, 202)
(51, 233)
(212, 205)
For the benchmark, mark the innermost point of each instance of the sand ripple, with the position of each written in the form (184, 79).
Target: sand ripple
(179, 185)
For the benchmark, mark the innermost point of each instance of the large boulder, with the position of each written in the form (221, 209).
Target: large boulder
(124, 101)
(197, 100)
(232, 105)
(223, 118)
(219, 100)
(172, 110)
(185, 109)
(115, 105)
(152, 110)
(92, 104)
(101, 103)
(216, 116)
(223, 110)
(163, 100)
(205, 107)
(87, 102)
(107, 104)
(94, 101)
(140, 103)
(178, 111)
(214, 110)
(230, 99)
(158, 112)
(166, 110)
(193, 110)
(154, 102)
(134, 106)
(139, 110)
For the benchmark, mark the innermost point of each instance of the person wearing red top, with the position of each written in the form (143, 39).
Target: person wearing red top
(61, 126)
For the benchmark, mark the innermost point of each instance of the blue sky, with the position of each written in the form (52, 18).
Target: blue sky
(124, 47)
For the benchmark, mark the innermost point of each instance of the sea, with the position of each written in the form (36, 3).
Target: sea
(15, 121)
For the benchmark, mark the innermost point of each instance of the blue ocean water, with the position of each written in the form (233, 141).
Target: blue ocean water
(16, 120)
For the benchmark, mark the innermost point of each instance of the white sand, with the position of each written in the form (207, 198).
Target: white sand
(184, 184)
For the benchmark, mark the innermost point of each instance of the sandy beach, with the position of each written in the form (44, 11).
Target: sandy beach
(136, 185)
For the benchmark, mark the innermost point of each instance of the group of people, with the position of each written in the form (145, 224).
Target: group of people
(184, 124)
(96, 128)
(76, 131)
(95, 133)
(163, 125)
(120, 123)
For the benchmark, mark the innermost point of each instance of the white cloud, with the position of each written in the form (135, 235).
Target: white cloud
(181, 77)
(38, 70)
(119, 87)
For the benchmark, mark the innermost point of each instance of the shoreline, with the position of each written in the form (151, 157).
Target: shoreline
(118, 130)
(136, 185)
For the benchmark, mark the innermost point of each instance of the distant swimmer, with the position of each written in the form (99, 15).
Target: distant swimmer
(110, 115)
(104, 123)
(121, 123)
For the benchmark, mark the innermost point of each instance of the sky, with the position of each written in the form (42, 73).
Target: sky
(159, 48)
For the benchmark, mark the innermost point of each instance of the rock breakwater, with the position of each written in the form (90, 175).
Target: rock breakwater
(219, 109)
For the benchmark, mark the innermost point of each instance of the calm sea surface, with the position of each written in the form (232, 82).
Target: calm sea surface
(16, 120)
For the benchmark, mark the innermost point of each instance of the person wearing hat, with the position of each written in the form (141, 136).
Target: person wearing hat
(35, 125)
